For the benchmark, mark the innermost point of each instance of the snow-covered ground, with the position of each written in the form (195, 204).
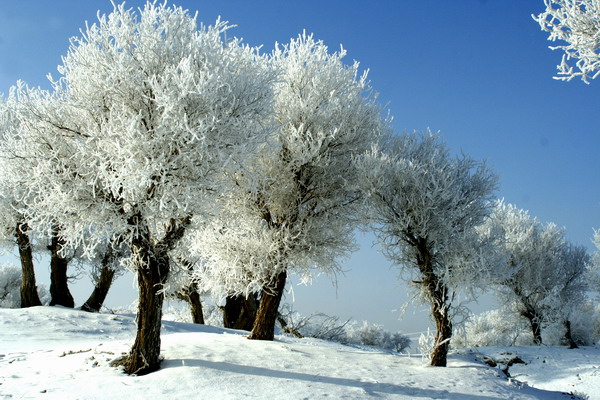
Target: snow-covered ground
(56, 353)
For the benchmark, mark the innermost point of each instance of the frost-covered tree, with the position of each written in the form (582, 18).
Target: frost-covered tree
(293, 207)
(148, 108)
(16, 168)
(424, 207)
(532, 251)
(571, 285)
(576, 22)
(13, 226)
(545, 277)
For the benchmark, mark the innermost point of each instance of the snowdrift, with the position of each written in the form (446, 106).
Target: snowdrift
(57, 353)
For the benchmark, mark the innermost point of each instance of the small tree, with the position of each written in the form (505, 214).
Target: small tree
(572, 283)
(424, 206)
(544, 276)
(576, 22)
(293, 207)
(13, 226)
(149, 107)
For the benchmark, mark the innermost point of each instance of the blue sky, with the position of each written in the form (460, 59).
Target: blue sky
(478, 71)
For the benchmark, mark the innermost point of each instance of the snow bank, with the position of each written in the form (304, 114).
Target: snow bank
(56, 353)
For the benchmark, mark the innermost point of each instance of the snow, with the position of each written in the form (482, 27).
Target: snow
(58, 353)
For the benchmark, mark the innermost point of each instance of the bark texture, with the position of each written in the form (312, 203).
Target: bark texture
(103, 284)
(264, 325)
(240, 312)
(440, 306)
(190, 295)
(152, 270)
(59, 288)
(29, 294)
(534, 321)
(144, 356)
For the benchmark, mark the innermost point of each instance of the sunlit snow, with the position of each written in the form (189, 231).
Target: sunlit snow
(57, 353)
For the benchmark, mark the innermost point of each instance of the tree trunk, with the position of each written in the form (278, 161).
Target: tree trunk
(443, 325)
(29, 294)
(59, 288)
(536, 327)
(569, 336)
(190, 295)
(239, 312)
(264, 325)
(96, 299)
(153, 270)
(440, 305)
(196, 307)
(144, 356)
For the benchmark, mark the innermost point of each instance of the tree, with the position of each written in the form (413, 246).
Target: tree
(576, 22)
(424, 206)
(544, 276)
(572, 283)
(149, 107)
(13, 226)
(293, 207)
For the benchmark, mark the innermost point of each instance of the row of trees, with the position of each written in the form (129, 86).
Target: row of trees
(203, 165)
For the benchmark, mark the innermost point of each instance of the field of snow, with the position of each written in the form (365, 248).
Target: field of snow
(56, 353)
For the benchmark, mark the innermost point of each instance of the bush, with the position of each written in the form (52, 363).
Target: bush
(493, 328)
(375, 335)
(10, 287)
(323, 326)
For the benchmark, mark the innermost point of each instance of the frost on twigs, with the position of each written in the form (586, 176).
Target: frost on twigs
(128, 145)
(424, 206)
(292, 206)
(544, 278)
(576, 22)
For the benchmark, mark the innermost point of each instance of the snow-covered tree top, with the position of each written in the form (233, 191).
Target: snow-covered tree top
(421, 196)
(148, 109)
(576, 22)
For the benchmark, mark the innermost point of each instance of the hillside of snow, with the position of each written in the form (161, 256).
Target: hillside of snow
(57, 353)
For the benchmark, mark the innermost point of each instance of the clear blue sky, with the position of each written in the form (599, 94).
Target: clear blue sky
(478, 71)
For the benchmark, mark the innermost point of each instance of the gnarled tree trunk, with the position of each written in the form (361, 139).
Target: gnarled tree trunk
(440, 305)
(534, 322)
(96, 299)
(144, 356)
(59, 288)
(443, 325)
(240, 312)
(190, 295)
(153, 270)
(29, 294)
(264, 324)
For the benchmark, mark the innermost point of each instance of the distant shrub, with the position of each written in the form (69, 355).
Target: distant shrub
(323, 326)
(493, 328)
(584, 327)
(10, 287)
(375, 335)
(10, 284)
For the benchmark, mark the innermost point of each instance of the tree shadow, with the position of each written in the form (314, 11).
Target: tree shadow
(372, 389)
